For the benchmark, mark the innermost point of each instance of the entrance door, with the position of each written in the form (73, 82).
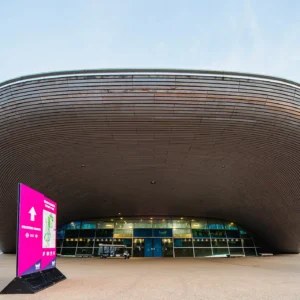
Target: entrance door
(157, 247)
(148, 247)
(152, 247)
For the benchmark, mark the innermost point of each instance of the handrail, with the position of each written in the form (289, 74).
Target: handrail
(149, 71)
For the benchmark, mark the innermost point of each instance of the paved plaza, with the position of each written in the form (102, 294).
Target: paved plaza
(273, 278)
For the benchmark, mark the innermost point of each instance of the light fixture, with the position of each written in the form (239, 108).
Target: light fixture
(121, 218)
(151, 218)
(153, 182)
(181, 218)
(112, 220)
(119, 214)
(108, 225)
(82, 166)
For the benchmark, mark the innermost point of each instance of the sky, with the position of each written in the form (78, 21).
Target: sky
(261, 37)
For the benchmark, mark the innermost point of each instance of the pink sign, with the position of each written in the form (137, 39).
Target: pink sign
(36, 232)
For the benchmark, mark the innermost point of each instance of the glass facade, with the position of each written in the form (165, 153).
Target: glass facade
(156, 237)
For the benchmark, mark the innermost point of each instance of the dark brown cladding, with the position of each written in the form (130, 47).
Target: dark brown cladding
(217, 144)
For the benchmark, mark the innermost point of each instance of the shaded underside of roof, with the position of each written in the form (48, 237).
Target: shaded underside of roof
(217, 145)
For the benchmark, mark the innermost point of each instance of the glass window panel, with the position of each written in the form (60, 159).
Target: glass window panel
(105, 225)
(248, 243)
(183, 243)
(88, 225)
(235, 242)
(126, 242)
(123, 225)
(183, 252)
(217, 233)
(236, 251)
(220, 252)
(70, 242)
(87, 233)
(167, 248)
(202, 233)
(233, 234)
(71, 233)
(142, 224)
(59, 242)
(60, 233)
(104, 232)
(138, 247)
(201, 224)
(73, 225)
(219, 242)
(84, 251)
(215, 224)
(250, 251)
(162, 232)
(68, 251)
(231, 226)
(142, 232)
(203, 252)
(184, 233)
(202, 243)
(85, 242)
(244, 234)
(95, 250)
(162, 224)
(181, 224)
(120, 233)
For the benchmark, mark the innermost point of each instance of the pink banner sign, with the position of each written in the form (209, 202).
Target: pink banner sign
(36, 232)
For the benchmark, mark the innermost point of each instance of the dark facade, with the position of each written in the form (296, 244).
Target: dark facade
(155, 143)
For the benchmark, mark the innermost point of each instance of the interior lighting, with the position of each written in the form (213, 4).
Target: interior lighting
(153, 182)
(181, 218)
(108, 225)
(121, 218)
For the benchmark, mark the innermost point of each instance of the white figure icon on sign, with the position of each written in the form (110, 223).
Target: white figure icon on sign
(32, 213)
(27, 234)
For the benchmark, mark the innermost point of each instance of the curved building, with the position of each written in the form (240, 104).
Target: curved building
(171, 143)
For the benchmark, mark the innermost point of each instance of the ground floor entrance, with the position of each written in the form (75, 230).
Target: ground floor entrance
(153, 247)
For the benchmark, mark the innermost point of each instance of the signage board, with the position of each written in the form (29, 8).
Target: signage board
(36, 237)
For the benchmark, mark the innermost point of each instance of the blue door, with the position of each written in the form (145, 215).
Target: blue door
(148, 247)
(157, 247)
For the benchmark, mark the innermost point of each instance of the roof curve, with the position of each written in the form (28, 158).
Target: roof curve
(217, 144)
